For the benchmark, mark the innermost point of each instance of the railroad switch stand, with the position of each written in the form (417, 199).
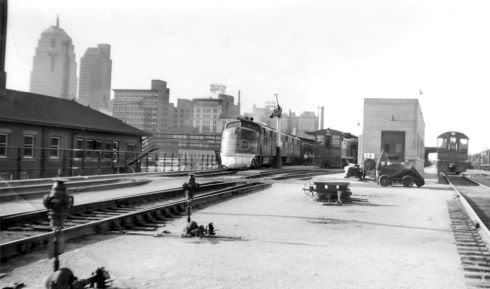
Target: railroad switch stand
(194, 230)
(58, 202)
(189, 188)
(65, 279)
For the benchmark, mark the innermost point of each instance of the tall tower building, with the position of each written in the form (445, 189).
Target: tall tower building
(95, 77)
(146, 109)
(54, 70)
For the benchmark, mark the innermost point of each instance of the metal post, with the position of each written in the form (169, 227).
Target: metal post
(19, 163)
(278, 163)
(56, 263)
(58, 202)
(82, 165)
(277, 112)
(189, 188)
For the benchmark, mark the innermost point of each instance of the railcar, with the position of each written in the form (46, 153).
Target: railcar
(247, 144)
(481, 161)
(452, 152)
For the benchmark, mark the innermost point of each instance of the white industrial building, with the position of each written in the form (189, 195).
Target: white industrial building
(396, 126)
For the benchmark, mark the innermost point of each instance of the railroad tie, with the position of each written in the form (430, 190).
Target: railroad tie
(474, 253)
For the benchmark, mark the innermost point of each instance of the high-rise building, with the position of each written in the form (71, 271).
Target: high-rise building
(95, 77)
(210, 114)
(181, 115)
(54, 69)
(146, 109)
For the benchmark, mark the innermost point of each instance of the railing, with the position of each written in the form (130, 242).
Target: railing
(167, 162)
(37, 162)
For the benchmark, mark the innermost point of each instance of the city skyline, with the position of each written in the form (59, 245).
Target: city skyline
(330, 54)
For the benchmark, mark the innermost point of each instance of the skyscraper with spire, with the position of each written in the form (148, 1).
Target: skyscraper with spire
(95, 77)
(54, 66)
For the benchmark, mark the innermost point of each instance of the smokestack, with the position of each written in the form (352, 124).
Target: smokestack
(239, 94)
(322, 118)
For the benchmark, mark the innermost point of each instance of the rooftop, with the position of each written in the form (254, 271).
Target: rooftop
(25, 107)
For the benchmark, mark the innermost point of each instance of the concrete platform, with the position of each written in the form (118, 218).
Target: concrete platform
(278, 238)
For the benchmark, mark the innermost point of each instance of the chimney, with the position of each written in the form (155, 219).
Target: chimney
(318, 115)
(239, 102)
(322, 118)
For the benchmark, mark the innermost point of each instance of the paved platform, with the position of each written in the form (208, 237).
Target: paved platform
(278, 238)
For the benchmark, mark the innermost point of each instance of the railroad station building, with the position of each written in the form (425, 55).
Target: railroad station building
(396, 126)
(44, 136)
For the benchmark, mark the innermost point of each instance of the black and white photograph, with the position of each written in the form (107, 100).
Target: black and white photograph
(162, 144)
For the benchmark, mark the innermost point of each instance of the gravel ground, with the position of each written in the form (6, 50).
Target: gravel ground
(278, 238)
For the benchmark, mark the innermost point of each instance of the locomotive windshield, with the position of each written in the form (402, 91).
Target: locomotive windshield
(452, 143)
(239, 140)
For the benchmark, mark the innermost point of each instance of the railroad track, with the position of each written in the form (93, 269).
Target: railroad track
(470, 225)
(37, 188)
(284, 174)
(22, 233)
(477, 196)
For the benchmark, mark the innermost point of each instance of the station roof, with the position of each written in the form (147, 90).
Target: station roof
(31, 108)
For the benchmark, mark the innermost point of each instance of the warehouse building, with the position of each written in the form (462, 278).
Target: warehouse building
(395, 126)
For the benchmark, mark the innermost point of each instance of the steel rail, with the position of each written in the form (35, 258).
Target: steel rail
(11, 220)
(484, 230)
(129, 219)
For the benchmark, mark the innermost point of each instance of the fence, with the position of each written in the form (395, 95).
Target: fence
(168, 162)
(36, 162)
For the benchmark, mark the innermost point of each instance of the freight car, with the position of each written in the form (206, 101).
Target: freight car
(481, 161)
(452, 152)
(247, 144)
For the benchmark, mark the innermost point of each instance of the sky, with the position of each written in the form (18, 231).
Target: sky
(311, 53)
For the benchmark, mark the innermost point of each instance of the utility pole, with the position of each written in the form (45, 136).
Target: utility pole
(277, 112)
(3, 41)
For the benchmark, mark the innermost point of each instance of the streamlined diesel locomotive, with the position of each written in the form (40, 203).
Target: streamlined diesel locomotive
(247, 144)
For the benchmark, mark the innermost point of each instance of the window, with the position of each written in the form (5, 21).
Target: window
(90, 147)
(442, 143)
(453, 145)
(107, 150)
(79, 148)
(335, 141)
(463, 144)
(131, 147)
(28, 146)
(54, 147)
(3, 144)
